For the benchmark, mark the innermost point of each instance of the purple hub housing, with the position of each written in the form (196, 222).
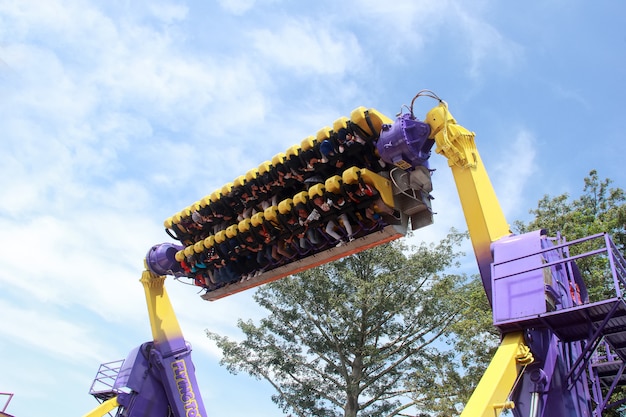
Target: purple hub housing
(405, 143)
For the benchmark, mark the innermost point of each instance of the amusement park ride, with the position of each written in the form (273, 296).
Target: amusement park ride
(360, 183)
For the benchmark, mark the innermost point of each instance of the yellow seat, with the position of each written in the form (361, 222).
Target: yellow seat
(209, 241)
(279, 158)
(308, 143)
(189, 251)
(323, 134)
(239, 181)
(341, 123)
(231, 231)
(227, 188)
(285, 206)
(198, 247)
(220, 236)
(316, 190)
(360, 115)
(244, 225)
(301, 198)
(257, 218)
(293, 151)
(271, 214)
(333, 184)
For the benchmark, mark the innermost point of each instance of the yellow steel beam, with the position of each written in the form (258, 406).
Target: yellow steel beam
(491, 395)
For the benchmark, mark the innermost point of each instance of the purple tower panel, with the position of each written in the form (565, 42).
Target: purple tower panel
(141, 392)
(518, 290)
(130, 375)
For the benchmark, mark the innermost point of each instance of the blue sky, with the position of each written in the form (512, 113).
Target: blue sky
(115, 115)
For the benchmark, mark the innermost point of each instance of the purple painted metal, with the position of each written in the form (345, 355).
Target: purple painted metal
(139, 386)
(149, 385)
(157, 379)
(405, 143)
(6, 404)
(161, 259)
(530, 279)
(538, 288)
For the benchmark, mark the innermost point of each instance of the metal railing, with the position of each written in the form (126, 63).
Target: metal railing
(103, 386)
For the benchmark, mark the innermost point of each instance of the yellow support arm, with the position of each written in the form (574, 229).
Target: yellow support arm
(484, 216)
(491, 395)
(166, 331)
(103, 408)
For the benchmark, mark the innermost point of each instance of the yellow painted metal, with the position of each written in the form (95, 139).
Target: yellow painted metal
(206, 200)
(104, 408)
(483, 214)
(163, 321)
(382, 184)
(360, 116)
(251, 174)
(168, 223)
(491, 395)
(220, 236)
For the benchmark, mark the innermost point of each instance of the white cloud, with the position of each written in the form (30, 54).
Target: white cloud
(237, 6)
(169, 12)
(309, 47)
(516, 167)
(487, 49)
(57, 337)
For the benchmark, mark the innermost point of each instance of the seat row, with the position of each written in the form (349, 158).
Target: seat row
(328, 214)
(350, 142)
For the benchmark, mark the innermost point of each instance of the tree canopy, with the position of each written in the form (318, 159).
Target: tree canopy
(348, 338)
(600, 208)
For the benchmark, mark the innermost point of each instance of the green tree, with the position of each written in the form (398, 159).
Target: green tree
(347, 338)
(599, 209)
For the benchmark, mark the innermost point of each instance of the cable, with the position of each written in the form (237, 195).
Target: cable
(423, 93)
